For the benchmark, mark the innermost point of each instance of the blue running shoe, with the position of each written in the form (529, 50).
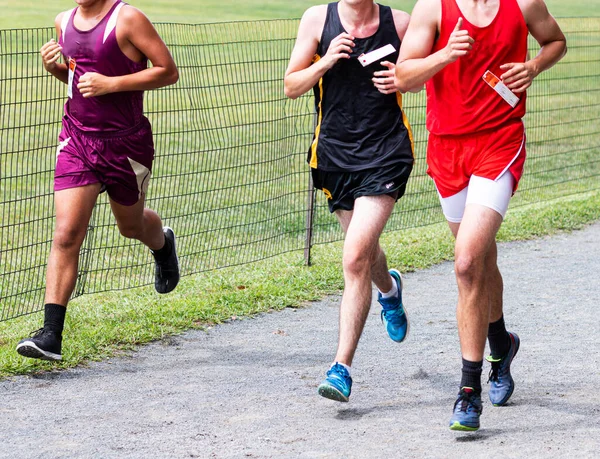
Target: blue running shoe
(393, 314)
(467, 410)
(337, 385)
(501, 382)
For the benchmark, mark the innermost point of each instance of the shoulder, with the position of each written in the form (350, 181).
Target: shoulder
(315, 14)
(131, 16)
(432, 5)
(529, 4)
(533, 9)
(427, 12)
(62, 16)
(59, 17)
(313, 21)
(58, 20)
(401, 20)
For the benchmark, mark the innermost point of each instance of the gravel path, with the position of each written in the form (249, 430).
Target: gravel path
(248, 388)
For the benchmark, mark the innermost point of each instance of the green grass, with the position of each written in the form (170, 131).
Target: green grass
(29, 13)
(101, 326)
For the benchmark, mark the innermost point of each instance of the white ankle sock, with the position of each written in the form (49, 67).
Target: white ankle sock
(393, 292)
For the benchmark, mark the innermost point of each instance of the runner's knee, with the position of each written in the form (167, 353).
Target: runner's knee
(468, 267)
(131, 230)
(357, 262)
(67, 237)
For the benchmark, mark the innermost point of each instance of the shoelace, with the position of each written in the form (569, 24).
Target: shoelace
(465, 399)
(495, 370)
(38, 332)
(340, 373)
(395, 317)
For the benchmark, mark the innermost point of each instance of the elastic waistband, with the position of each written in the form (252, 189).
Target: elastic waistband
(482, 133)
(144, 123)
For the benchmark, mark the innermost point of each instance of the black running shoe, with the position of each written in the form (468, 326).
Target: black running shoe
(166, 272)
(44, 344)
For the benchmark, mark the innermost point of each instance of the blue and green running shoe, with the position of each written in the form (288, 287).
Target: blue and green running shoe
(500, 379)
(337, 385)
(467, 410)
(393, 314)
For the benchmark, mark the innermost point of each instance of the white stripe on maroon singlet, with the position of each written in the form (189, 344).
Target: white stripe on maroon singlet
(65, 21)
(112, 22)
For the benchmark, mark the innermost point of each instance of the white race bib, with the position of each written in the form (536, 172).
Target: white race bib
(375, 55)
(72, 66)
(497, 85)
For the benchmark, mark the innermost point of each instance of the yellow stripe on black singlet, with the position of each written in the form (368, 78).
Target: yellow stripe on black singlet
(313, 148)
(406, 123)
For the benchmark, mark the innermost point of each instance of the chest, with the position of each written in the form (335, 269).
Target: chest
(480, 13)
(365, 31)
(92, 45)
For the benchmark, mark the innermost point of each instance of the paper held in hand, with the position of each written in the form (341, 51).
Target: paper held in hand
(497, 85)
(375, 55)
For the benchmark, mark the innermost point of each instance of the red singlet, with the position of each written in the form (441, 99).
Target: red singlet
(458, 100)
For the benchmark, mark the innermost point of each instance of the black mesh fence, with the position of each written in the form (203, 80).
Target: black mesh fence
(230, 174)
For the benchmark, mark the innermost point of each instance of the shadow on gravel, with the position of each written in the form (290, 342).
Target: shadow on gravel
(353, 414)
(55, 374)
(478, 436)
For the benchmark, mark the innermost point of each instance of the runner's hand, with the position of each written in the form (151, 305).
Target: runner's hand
(50, 53)
(339, 48)
(517, 76)
(459, 43)
(384, 81)
(93, 84)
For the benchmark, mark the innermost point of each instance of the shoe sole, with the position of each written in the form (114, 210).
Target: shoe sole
(403, 307)
(505, 399)
(457, 426)
(331, 393)
(169, 288)
(30, 350)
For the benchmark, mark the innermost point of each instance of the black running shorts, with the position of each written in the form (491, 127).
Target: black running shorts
(342, 188)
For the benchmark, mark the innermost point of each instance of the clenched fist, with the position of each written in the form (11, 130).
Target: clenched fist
(93, 84)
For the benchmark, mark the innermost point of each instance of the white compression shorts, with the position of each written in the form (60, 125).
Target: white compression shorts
(494, 194)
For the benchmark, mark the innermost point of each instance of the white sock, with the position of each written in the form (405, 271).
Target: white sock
(393, 292)
(342, 364)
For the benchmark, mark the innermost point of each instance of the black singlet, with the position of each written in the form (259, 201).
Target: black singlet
(358, 127)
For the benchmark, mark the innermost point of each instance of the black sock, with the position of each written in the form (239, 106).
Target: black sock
(471, 375)
(498, 339)
(54, 317)
(164, 252)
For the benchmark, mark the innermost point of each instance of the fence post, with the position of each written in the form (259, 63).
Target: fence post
(85, 255)
(310, 211)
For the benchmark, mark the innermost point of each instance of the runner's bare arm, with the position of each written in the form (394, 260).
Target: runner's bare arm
(544, 28)
(300, 75)
(136, 35)
(384, 80)
(51, 53)
(402, 19)
(416, 64)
